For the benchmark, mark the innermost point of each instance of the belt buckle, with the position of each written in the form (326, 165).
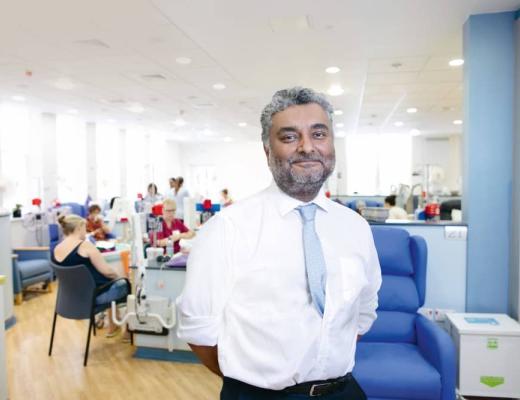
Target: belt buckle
(312, 392)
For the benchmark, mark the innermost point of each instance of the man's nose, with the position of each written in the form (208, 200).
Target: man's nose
(305, 145)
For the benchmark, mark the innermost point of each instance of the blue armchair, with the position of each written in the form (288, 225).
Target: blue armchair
(404, 355)
(31, 265)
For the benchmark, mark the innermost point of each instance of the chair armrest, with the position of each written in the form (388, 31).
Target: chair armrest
(32, 253)
(437, 347)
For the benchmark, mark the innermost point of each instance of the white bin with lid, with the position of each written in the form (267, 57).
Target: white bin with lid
(488, 348)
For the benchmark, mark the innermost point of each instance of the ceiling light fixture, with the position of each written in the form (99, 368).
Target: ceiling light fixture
(335, 90)
(219, 86)
(228, 139)
(457, 62)
(242, 124)
(332, 70)
(338, 112)
(411, 110)
(183, 60)
(398, 124)
(415, 132)
(18, 98)
(457, 122)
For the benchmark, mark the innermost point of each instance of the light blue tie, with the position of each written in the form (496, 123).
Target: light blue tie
(314, 260)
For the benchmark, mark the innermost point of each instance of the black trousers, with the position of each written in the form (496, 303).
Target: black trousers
(236, 390)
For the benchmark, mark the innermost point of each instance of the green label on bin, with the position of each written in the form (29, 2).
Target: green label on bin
(492, 343)
(492, 381)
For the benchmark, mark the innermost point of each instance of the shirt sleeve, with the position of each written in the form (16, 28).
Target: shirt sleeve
(369, 297)
(182, 228)
(208, 283)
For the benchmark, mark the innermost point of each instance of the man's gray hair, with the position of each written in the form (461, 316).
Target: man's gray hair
(286, 98)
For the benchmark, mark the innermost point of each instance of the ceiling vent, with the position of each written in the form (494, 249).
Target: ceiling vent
(92, 43)
(204, 106)
(153, 77)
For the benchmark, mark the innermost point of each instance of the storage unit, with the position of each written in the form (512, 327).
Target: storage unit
(3, 366)
(488, 348)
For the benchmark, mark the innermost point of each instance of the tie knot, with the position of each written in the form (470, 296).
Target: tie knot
(307, 212)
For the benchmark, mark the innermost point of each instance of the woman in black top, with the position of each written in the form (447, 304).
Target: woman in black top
(75, 250)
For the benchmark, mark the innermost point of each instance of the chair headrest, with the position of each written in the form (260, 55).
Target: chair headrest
(393, 249)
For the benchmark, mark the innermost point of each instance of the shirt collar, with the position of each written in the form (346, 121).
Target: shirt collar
(286, 203)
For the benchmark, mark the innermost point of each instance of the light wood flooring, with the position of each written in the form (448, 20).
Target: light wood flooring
(112, 372)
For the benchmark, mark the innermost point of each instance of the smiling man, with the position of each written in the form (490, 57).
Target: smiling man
(280, 285)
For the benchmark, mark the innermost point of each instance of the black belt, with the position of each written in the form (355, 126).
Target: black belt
(320, 388)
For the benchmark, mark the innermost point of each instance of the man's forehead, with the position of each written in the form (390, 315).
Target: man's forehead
(302, 114)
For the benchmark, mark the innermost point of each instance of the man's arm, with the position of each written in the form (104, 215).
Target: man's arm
(208, 355)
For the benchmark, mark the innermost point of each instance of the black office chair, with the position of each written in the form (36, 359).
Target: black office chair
(76, 298)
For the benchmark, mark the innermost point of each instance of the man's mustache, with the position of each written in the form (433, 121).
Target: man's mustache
(303, 158)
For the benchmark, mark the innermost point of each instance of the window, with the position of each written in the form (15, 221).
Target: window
(20, 154)
(107, 160)
(376, 163)
(71, 159)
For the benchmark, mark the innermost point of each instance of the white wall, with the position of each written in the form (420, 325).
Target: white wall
(239, 167)
(444, 151)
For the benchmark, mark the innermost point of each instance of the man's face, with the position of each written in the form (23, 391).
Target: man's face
(301, 150)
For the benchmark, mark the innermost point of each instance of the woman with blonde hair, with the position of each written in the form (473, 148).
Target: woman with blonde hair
(75, 250)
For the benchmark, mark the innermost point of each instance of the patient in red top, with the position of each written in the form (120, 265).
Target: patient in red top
(172, 228)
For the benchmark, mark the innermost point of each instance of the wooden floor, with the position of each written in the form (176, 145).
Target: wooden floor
(112, 372)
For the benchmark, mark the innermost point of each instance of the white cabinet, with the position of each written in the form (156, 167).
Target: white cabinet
(3, 366)
(488, 347)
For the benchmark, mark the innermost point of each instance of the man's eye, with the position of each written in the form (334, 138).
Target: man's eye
(319, 134)
(288, 137)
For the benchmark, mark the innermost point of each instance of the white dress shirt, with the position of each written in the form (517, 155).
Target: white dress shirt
(246, 291)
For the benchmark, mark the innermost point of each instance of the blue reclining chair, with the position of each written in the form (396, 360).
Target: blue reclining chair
(31, 265)
(404, 355)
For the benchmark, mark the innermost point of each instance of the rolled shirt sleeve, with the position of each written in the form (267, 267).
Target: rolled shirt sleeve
(369, 297)
(208, 283)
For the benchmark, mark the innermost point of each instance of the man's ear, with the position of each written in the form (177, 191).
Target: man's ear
(266, 150)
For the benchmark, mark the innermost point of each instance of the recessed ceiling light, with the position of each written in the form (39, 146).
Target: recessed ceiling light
(415, 132)
(398, 123)
(338, 112)
(332, 70)
(18, 98)
(228, 139)
(219, 86)
(457, 122)
(242, 124)
(183, 60)
(72, 111)
(340, 125)
(136, 108)
(179, 122)
(457, 62)
(411, 110)
(335, 90)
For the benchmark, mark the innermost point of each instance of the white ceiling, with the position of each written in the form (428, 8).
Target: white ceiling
(102, 57)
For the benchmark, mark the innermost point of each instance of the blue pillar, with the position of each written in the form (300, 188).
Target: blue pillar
(489, 85)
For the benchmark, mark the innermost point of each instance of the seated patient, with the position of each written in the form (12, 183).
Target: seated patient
(75, 250)
(172, 228)
(95, 224)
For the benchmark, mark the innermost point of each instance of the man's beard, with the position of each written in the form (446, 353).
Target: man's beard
(303, 185)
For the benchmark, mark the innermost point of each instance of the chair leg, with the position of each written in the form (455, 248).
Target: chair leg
(52, 333)
(18, 298)
(88, 339)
